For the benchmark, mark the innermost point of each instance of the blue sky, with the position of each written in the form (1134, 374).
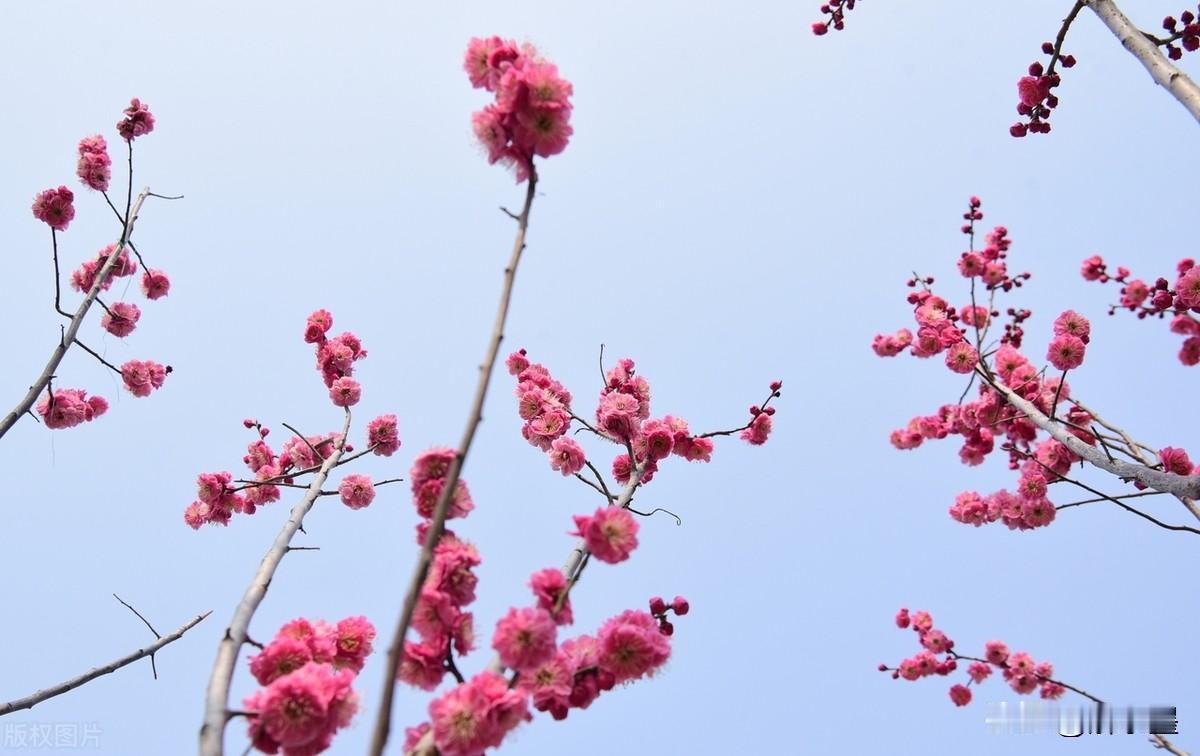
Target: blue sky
(741, 202)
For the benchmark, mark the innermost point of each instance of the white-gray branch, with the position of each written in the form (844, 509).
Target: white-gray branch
(1164, 73)
(1177, 485)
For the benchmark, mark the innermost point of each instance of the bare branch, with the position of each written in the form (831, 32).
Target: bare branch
(42, 695)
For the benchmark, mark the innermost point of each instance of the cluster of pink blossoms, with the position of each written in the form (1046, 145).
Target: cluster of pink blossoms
(555, 678)
(219, 496)
(55, 208)
(155, 284)
(138, 121)
(1180, 301)
(532, 111)
(66, 408)
(439, 617)
(836, 12)
(1018, 669)
(307, 672)
(622, 417)
(95, 166)
(335, 358)
(990, 417)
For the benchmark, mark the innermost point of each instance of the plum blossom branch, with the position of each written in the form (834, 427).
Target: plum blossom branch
(216, 713)
(1179, 485)
(30, 701)
(573, 568)
(60, 349)
(438, 523)
(1043, 678)
(1164, 73)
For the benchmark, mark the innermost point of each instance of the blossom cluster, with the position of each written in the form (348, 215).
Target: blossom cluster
(553, 678)
(307, 672)
(55, 207)
(138, 121)
(1180, 301)
(1034, 92)
(1185, 31)
(219, 496)
(532, 109)
(836, 11)
(66, 408)
(622, 417)
(440, 618)
(990, 421)
(95, 166)
(335, 358)
(1019, 670)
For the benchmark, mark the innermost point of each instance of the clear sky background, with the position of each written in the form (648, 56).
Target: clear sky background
(741, 202)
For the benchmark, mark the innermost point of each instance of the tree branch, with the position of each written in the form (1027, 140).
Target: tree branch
(216, 713)
(1178, 485)
(1164, 73)
(571, 569)
(60, 350)
(30, 701)
(438, 523)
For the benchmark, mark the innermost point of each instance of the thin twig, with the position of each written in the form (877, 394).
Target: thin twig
(95, 354)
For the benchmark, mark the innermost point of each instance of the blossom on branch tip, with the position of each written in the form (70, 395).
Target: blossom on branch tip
(383, 436)
(55, 207)
(155, 284)
(121, 319)
(356, 491)
(531, 113)
(631, 646)
(138, 121)
(143, 376)
(345, 392)
(94, 167)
